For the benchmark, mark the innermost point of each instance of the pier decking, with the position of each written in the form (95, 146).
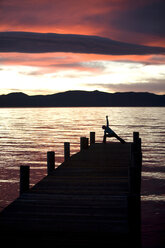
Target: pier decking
(93, 198)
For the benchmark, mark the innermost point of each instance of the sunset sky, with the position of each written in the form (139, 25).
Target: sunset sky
(49, 46)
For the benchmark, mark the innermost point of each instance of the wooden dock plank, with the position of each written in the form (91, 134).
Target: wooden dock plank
(86, 195)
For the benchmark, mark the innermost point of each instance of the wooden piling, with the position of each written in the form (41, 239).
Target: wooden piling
(50, 162)
(136, 142)
(135, 136)
(83, 143)
(24, 179)
(66, 151)
(92, 138)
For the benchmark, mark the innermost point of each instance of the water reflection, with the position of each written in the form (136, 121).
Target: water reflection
(27, 135)
(153, 198)
(156, 175)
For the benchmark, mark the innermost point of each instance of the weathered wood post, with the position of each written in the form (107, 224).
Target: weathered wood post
(66, 151)
(92, 138)
(50, 162)
(135, 137)
(83, 143)
(24, 178)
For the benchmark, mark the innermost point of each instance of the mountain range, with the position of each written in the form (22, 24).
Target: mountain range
(84, 99)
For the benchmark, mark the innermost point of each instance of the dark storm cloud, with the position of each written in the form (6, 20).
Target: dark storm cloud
(147, 19)
(27, 42)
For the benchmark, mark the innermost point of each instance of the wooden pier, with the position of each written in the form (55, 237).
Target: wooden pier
(92, 198)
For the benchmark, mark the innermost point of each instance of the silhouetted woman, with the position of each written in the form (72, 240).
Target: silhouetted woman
(108, 132)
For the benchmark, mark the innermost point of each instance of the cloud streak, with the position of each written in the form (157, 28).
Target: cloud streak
(154, 86)
(28, 42)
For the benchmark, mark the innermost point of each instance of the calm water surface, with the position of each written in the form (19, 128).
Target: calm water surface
(28, 133)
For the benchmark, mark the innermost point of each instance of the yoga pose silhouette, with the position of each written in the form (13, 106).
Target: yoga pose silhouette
(108, 132)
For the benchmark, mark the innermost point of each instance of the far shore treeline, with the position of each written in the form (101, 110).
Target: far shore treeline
(84, 99)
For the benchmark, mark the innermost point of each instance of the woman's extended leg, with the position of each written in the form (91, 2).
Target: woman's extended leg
(120, 139)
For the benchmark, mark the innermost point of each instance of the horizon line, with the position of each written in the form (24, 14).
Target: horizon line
(90, 91)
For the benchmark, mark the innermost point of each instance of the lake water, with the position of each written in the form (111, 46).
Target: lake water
(28, 133)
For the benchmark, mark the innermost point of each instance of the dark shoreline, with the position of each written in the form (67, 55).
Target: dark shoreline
(83, 99)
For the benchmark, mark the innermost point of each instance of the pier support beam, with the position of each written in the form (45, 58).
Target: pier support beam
(134, 202)
(24, 178)
(66, 151)
(50, 162)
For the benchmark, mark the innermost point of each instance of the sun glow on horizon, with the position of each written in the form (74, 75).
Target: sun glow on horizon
(51, 73)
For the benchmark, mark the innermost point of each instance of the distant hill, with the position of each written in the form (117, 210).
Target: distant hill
(83, 99)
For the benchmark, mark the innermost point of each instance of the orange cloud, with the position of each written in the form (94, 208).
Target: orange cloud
(62, 59)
